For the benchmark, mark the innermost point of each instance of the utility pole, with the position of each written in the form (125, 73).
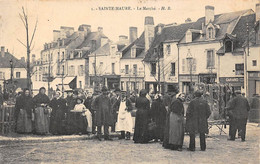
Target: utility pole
(246, 54)
(159, 70)
(49, 73)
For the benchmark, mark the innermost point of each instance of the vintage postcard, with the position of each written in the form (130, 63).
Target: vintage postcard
(129, 81)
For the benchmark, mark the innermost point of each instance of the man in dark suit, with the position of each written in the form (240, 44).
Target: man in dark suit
(115, 102)
(238, 110)
(197, 116)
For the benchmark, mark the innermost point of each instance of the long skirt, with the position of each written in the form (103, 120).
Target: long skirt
(42, 120)
(56, 122)
(89, 120)
(124, 121)
(24, 124)
(141, 134)
(166, 132)
(176, 129)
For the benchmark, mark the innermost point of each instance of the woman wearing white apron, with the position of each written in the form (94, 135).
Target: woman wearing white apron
(124, 121)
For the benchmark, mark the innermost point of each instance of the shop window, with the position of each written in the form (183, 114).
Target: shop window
(122, 85)
(254, 62)
(239, 69)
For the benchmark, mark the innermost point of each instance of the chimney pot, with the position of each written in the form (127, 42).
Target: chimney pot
(209, 14)
(148, 20)
(2, 51)
(257, 12)
(100, 29)
(132, 34)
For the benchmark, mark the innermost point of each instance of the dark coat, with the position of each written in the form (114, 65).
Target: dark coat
(238, 107)
(141, 121)
(57, 115)
(197, 116)
(115, 102)
(88, 103)
(41, 99)
(177, 107)
(158, 114)
(24, 102)
(102, 106)
(71, 102)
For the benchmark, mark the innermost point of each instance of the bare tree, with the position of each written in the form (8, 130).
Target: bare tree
(28, 45)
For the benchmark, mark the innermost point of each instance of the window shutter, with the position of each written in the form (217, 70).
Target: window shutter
(208, 59)
(194, 65)
(183, 65)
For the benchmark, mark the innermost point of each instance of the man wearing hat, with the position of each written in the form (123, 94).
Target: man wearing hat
(102, 106)
(197, 116)
(115, 101)
(238, 110)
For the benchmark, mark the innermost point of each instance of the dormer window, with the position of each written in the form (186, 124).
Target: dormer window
(188, 36)
(228, 46)
(210, 33)
(133, 52)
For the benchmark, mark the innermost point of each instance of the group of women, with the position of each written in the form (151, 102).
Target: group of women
(156, 121)
(40, 115)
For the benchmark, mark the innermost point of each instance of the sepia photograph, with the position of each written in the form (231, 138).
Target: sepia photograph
(130, 81)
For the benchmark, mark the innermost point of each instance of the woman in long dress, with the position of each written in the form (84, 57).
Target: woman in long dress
(176, 123)
(142, 117)
(42, 112)
(124, 120)
(58, 105)
(24, 107)
(158, 114)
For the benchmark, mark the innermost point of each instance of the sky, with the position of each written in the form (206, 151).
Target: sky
(52, 14)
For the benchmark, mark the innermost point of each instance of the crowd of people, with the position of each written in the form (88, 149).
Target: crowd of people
(157, 117)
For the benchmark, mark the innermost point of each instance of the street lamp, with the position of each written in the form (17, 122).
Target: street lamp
(190, 62)
(11, 66)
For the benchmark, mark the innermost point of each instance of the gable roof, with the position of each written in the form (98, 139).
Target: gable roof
(91, 36)
(170, 33)
(226, 23)
(5, 61)
(139, 44)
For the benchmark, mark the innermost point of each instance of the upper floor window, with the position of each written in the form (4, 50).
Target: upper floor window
(126, 69)
(135, 69)
(71, 70)
(133, 52)
(62, 56)
(80, 70)
(113, 68)
(153, 68)
(254, 62)
(168, 49)
(18, 75)
(173, 69)
(210, 59)
(239, 69)
(228, 46)
(2, 75)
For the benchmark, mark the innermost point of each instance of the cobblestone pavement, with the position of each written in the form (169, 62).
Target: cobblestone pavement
(219, 150)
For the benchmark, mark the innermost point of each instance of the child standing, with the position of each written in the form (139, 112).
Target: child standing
(80, 107)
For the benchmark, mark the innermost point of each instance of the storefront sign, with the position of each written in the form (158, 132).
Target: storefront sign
(236, 80)
(254, 74)
(186, 78)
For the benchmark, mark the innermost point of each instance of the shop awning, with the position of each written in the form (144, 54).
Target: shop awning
(58, 81)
